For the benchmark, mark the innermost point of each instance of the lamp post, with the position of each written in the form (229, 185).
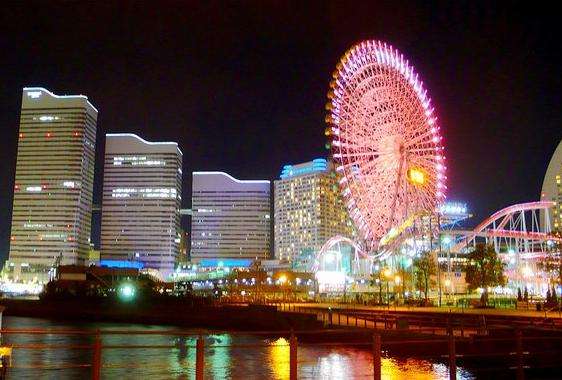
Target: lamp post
(438, 255)
(282, 280)
(397, 281)
(447, 242)
(387, 275)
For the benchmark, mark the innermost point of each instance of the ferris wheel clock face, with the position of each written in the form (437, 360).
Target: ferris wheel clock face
(385, 141)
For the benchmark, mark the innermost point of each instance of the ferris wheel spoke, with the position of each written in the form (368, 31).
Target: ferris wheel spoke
(424, 160)
(415, 140)
(422, 150)
(359, 154)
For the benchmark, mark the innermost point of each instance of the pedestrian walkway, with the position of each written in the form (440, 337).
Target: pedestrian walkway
(445, 310)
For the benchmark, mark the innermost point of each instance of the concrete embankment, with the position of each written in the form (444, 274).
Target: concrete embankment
(164, 312)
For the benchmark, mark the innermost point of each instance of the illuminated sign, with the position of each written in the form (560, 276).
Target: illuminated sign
(317, 165)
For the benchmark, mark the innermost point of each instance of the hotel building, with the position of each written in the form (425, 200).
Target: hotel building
(231, 219)
(141, 201)
(308, 211)
(52, 204)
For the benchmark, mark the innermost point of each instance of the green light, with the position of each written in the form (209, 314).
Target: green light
(127, 292)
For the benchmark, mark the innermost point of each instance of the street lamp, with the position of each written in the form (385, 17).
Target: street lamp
(387, 275)
(397, 281)
(447, 241)
(282, 280)
(438, 254)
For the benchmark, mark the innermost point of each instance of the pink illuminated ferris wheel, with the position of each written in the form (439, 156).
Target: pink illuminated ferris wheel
(385, 142)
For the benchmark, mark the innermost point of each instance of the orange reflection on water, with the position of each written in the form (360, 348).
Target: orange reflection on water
(392, 369)
(279, 358)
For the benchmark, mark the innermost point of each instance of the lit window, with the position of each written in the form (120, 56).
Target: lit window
(33, 189)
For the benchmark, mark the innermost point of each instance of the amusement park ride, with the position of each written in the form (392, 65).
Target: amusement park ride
(386, 144)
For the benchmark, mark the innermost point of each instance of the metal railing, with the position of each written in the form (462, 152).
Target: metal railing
(376, 347)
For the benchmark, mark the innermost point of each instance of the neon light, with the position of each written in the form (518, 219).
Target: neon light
(317, 165)
(121, 264)
(48, 118)
(34, 94)
(227, 263)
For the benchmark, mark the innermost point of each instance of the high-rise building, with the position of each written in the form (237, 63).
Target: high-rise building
(308, 210)
(52, 206)
(231, 218)
(552, 189)
(141, 201)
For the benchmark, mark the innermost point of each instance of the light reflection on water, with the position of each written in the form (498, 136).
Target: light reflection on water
(259, 358)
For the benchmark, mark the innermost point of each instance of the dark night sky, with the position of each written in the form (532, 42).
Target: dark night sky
(242, 85)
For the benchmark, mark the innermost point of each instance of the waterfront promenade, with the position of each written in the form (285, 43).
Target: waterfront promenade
(550, 313)
(427, 320)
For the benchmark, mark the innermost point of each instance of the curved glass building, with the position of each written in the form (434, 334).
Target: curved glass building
(552, 188)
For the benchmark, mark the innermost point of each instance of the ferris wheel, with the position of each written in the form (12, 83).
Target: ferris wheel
(385, 142)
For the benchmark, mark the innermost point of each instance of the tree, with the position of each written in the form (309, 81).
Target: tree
(484, 269)
(552, 264)
(424, 268)
(519, 296)
(376, 280)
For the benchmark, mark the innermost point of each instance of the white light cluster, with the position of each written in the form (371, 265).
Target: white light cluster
(145, 192)
(158, 193)
(33, 189)
(69, 184)
(453, 208)
(53, 236)
(33, 225)
(137, 161)
(48, 118)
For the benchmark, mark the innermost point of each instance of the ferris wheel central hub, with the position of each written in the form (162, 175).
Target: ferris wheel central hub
(391, 146)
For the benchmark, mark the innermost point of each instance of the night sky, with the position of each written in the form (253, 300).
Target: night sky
(242, 85)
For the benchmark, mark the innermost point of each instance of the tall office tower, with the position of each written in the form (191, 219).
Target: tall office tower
(308, 211)
(552, 189)
(231, 219)
(53, 187)
(140, 218)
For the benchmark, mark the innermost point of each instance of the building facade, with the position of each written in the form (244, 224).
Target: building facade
(552, 189)
(141, 201)
(308, 211)
(230, 218)
(52, 205)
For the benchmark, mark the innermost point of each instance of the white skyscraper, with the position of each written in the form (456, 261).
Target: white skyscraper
(231, 218)
(141, 201)
(53, 186)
